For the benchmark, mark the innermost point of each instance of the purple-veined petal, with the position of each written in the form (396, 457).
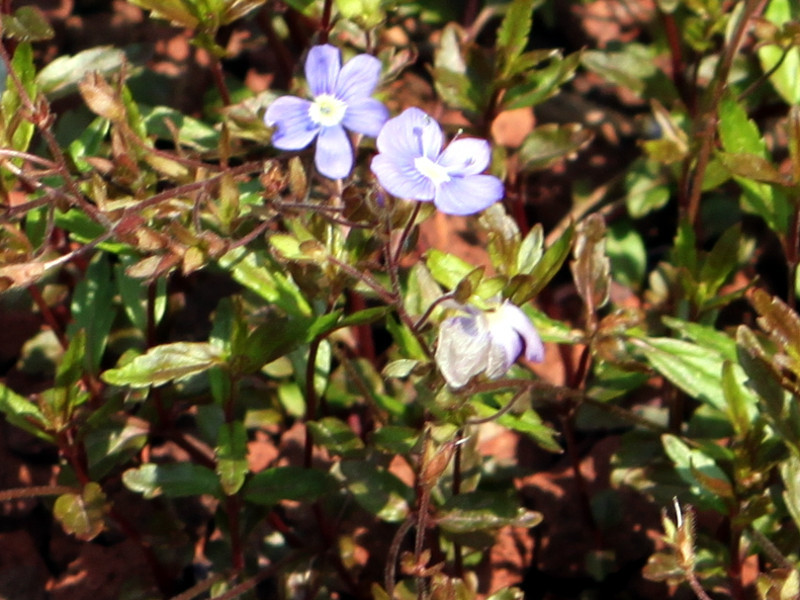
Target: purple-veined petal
(466, 156)
(410, 135)
(358, 78)
(400, 178)
(365, 116)
(514, 317)
(294, 128)
(462, 348)
(468, 195)
(322, 69)
(334, 155)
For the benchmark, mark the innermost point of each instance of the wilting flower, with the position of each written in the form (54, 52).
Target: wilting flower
(487, 342)
(342, 100)
(411, 164)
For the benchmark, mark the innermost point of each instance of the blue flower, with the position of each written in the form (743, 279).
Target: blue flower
(342, 100)
(411, 164)
(486, 342)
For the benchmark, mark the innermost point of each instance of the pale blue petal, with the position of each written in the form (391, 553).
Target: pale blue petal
(294, 128)
(358, 78)
(462, 348)
(334, 155)
(365, 116)
(466, 156)
(412, 134)
(514, 317)
(400, 178)
(322, 69)
(468, 195)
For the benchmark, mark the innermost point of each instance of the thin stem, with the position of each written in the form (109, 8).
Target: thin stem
(401, 241)
(219, 81)
(325, 25)
(394, 551)
(708, 118)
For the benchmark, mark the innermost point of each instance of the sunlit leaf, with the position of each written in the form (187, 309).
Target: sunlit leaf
(165, 363)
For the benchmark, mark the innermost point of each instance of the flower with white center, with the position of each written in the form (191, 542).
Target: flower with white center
(488, 342)
(411, 164)
(342, 100)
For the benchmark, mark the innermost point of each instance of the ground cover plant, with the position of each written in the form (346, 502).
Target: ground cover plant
(396, 300)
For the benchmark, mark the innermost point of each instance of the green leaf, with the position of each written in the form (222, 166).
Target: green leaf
(737, 132)
(523, 290)
(134, 295)
(377, 491)
(71, 367)
(784, 79)
(165, 363)
(647, 188)
(394, 439)
(82, 515)
(752, 166)
(528, 422)
(256, 272)
(720, 262)
(790, 473)
(700, 471)
(366, 13)
(231, 451)
(19, 131)
(192, 133)
(21, 412)
(60, 77)
(550, 143)
(512, 37)
(335, 435)
(530, 250)
(175, 11)
(174, 480)
(27, 24)
(110, 443)
(635, 67)
(271, 486)
(694, 369)
(93, 311)
(543, 83)
(627, 254)
(481, 511)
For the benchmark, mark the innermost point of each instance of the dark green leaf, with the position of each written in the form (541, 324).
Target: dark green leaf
(550, 143)
(27, 24)
(393, 439)
(231, 451)
(93, 311)
(480, 511)
(542, 84)
(377, 491)
(174, 480)
(336, 437)
(287, 483)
